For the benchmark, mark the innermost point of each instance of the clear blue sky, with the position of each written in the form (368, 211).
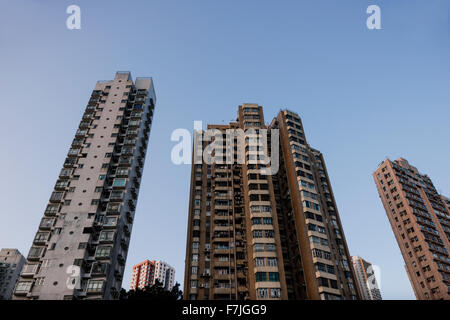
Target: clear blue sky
(363, 96)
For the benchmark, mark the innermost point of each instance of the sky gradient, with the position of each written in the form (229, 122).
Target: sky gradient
(363, 95)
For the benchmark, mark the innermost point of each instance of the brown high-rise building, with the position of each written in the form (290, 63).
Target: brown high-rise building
(420, 219)
(257, 236)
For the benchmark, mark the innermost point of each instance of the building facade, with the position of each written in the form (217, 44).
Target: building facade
(248, 235)
(146, 273)
(420, 220)
(365, 279)
(11, 263)
(81, 245)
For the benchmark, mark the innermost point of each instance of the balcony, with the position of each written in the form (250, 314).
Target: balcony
(88, 117)
(116, 196)
(134, 124)
(23, 288)
(89, 109)
(129, 142)
(70, 162)
(95, 287)
(110, 223)
(41, 238)
(29, 270)
(77, 143)
(73, 152)
(56, 196)
(61, 185)
(119, 183)
(84, 125)
(132, 132)
(93, 101)
(125, 162)
(113, 208)
(46, 223)
(65, 173)
(51, 210)
(81, 133)
(35, 253)
(99, 269)
(106, 237)
(127, 151)
(136, 114)
(122, 172)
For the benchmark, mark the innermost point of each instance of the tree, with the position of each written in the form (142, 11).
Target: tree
(155, 292)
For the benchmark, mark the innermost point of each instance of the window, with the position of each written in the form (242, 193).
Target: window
(259, 262)
(257, 234)
(23, 287)
(274, 276)
(119, 182)
(272, 262)
(110, 221)
(95, 286)
(258, 247)
(261, 276)
(275, 293)
(263, 293)
(106, 236)
(103, 252)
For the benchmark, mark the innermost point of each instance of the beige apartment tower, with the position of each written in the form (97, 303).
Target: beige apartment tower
(420, 219)
(81, 245)
(259, 236)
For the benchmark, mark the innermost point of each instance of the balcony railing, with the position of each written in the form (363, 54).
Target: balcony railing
(56, 196)
(46, 223)
(116, 196)
(35, 253)
(29, 270)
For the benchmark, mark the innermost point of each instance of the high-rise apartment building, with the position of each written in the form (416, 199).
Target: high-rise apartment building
(146, 273)
(11, 263)
(365, 279)
(420, 219)
(253, 235)
(81, 245)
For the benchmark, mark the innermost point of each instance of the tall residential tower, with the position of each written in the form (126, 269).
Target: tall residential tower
(253, 235)
(146, 273)
(81, 245)
(365, 278)
(11, 263)
(420, 219)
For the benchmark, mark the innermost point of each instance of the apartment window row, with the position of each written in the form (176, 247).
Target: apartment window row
(261, 247)
(267, 276)
(262, 262)
(266, 221)
(311, 205)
